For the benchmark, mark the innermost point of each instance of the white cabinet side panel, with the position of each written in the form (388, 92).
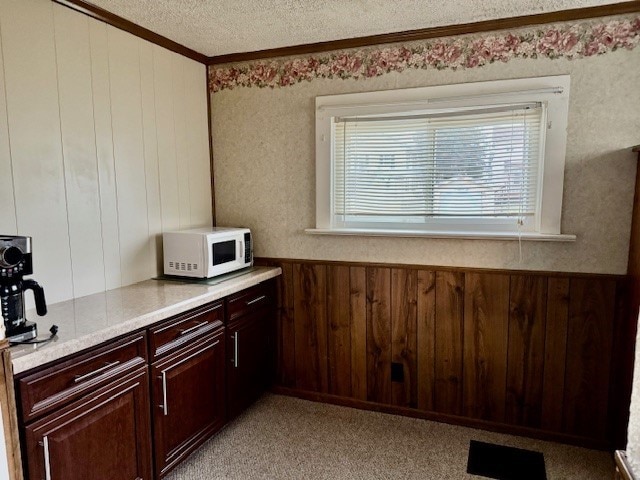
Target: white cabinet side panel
(126, 111)
(79, 148)
(182, 153)
(198, 143)
(8, 225)
(154, 212)
(168, 171)
(36, 149)
(104, 147)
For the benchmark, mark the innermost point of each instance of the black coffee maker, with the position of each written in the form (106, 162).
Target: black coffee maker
(15, 263)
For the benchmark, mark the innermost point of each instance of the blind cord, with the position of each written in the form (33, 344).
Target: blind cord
(344, 168)
(522, 196)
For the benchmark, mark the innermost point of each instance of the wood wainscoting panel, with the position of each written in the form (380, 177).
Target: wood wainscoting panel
(528, 297)
(555, 353)
(404, 292)
(486, 316)
(448, 347)
(378, 335)
(358, 311)
(426, 344)
(287, 331)
(531, 353)
(338, 306)
(592, 305)
(310, 324)
(621, 379)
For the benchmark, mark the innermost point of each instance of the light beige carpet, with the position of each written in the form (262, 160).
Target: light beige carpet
(288, 438)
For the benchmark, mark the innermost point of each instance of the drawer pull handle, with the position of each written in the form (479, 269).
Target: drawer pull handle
(47, 463)
(255, 300)
(235, 349)
(107, 366)
(195, 327)
(164, 406)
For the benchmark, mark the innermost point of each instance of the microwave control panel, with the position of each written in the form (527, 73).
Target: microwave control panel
(247, 247)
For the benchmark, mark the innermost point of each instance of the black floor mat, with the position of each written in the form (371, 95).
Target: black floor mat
(505, 463)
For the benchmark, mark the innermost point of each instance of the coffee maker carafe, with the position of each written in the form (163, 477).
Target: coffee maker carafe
(15, 263)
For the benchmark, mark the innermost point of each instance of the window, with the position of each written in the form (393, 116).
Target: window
(482, 159)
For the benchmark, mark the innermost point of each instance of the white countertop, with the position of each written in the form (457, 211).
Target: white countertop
(89, 321)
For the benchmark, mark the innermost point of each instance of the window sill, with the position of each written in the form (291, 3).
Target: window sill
(525, 236)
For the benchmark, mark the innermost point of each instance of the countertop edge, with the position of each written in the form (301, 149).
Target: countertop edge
(39, 358)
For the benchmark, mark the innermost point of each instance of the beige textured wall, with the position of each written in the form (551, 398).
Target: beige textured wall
(265, 172)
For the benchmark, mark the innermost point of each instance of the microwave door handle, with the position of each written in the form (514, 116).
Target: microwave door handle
(241, 249)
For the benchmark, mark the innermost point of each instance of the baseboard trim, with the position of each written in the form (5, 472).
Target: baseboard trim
(442, 418)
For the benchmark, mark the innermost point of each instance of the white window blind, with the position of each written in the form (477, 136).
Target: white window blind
(471, 163)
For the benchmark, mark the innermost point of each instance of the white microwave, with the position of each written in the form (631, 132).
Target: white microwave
(207, 252)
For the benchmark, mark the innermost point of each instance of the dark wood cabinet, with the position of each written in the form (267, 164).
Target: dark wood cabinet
(188, 399)
(104, 435)
(88, 416)
(91, 415)
(250, 348)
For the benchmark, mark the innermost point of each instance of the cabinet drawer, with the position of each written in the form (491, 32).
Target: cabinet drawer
(178, 331)
(248, 300)
(63, 382)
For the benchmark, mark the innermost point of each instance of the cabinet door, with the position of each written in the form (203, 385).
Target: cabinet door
(249, 360)
(105, 435)
(188, 399)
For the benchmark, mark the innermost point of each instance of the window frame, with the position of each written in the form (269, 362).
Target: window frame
(553, 92)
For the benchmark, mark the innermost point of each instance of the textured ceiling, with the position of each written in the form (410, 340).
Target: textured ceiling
(217, 27)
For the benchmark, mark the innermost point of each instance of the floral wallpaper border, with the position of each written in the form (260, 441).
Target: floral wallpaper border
(469, 51)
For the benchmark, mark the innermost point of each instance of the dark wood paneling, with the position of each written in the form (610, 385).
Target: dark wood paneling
(434, 32)
(286, 332)
(426, 332)
(555, 353)
(358, 306)
(124, 24)
(591, 313)
(486, 313)
(379, 335)
(339, 341)
(448, 348)
(498, 349)
(310, 323)
(622, 360)
(439, 268)
(527, 305)
(404, 292)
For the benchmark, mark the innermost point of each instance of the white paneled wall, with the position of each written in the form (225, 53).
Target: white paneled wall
(103, 145)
